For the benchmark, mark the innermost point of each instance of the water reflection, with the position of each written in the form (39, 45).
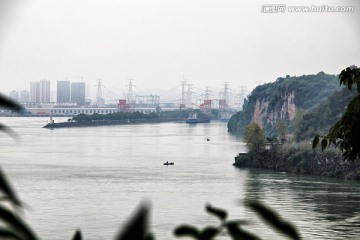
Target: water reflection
(330, 205)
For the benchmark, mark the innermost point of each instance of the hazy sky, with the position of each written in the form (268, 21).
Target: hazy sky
(155, 42)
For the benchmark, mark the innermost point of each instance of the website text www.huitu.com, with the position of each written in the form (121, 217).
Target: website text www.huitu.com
(282, 8)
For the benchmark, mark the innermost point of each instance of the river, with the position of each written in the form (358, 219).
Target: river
(94, 178)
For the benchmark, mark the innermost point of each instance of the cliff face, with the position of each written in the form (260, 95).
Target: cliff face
(272, 102)
(264, 116)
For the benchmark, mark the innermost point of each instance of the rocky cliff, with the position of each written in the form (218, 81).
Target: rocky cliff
(272, 102)
(285, 111)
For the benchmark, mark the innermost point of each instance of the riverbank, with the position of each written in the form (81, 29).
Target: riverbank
(96, 123)
(300, 158)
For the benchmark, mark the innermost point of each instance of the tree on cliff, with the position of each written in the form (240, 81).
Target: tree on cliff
(282, 130)
(346, 132)
(254, 137)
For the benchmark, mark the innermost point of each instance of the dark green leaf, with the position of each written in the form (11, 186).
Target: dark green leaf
(149, 237)
(15, 222)
(238, 233)
(6, 188)
(77, 235)
(333, 133)
(324, 144)
(272, 218)
(239, 222)
(186, 230)
(315, 141)
(220, 213)
(209, 233)
(9, 131)
(10, 104)
(136, 228)
(7, 234)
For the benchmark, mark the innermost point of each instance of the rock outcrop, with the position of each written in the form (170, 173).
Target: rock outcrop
(265, 117)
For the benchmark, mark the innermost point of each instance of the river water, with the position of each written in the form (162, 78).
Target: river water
(94, 179)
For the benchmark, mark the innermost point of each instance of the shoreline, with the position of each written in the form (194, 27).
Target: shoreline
(300, 162)
(107, 123)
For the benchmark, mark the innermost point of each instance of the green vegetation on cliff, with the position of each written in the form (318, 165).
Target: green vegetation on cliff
(269, 103)
(319, 119)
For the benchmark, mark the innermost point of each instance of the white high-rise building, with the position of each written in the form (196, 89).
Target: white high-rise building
(35, 92)
(40, 91)
(44, 91)
(78, 93)
(63, 91)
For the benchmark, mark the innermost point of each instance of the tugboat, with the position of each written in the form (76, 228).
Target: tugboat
(192, 119)
(168, 163)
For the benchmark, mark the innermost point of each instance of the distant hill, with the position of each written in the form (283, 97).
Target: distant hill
(269, 103)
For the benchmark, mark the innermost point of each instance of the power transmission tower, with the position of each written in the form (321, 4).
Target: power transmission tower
(207, 93)
(183, 93)
(130, 96)
(224, 95)
(207, 104)
(99, 99)
(183, 83)
(188, 95)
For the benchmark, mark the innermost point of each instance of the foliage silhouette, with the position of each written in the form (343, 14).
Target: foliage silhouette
(9, 193)
(137, 227)
(10, 104)
(234, 229)
(345, 133)
(77, 235)
(272, 218)
(13, 106)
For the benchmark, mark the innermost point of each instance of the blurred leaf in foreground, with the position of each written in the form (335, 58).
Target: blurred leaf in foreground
(187, 230)
(8, 192)
(16, 224)
(137, 227)
(273, 219)
(12, 105)
(9, 104)
(77, 235)
(220, 213)
(237, 233)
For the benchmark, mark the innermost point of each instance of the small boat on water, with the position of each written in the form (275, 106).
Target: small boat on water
(168, 163)
(193, 118)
